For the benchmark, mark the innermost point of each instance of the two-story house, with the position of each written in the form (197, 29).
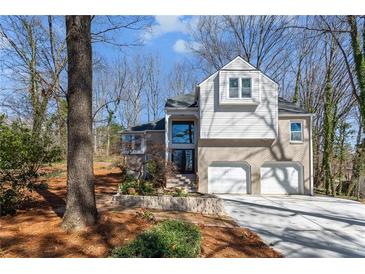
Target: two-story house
(232, 135)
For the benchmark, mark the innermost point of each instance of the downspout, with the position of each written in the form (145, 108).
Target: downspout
(311, 155)
(167, 117)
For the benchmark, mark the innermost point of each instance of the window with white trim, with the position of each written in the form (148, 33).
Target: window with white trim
(132, 143)
(233, 88)
(240, 88)
(296, 131)
(246, 87)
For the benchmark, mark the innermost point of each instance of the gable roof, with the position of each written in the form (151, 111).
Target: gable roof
(238, 57)
(188, 100)
(154, 125)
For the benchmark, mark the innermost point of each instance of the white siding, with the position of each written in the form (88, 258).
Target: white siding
(238, 121)
(238, 63)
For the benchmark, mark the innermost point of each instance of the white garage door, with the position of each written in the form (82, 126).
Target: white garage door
(281, 178)
(228, 177)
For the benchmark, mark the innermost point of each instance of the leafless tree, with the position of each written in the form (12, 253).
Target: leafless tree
(35, 58)
(182, 78)
(263, 41)
(153, 87)
(131, 108)
(324, 88)
(108, 97)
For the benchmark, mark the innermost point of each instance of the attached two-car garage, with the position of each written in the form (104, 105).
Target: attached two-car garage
(275, 178)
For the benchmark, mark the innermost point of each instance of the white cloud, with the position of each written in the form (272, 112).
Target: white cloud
(166, 24)
(183, 46)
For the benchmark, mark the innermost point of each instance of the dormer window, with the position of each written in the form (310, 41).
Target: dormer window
(233, 88)
(240, 88)
(246, 88)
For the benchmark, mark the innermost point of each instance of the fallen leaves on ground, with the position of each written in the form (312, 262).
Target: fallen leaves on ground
(35, 231)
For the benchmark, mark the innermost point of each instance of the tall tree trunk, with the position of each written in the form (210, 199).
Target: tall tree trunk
(328, 135)
(358, 163)
(81, 207)
(359, 58)
(297, 83)
(341, 158)
(318, 182)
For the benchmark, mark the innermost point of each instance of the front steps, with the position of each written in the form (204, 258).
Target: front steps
(187, 181)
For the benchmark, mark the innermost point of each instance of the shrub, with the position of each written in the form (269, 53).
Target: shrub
(140, 187)
(180, 192)
(21, 155)
(146, 188)
(123, 187)
(146, 215)
(169, 239)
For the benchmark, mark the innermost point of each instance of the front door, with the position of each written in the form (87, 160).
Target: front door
(183, 160)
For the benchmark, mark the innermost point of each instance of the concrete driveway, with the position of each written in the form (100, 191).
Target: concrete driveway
(303, 226)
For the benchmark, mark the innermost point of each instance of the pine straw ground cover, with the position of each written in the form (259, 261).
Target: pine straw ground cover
(35, 230)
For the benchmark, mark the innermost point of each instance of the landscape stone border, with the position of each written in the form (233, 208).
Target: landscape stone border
(205, 204)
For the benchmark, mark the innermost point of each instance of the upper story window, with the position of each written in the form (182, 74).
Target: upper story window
(246, 88)
(296, 131)
(182, 132)
(233, 88)
(132, 143)
(236, 85)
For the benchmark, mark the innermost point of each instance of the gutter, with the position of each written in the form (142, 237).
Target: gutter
(181, 108)
(296, 114)
(311, 156)
(141, 131)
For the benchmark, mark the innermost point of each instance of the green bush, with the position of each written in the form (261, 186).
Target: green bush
(22, 153)
(146, 215)
(169, 239)
(180, 192)
(123, 187)
(141, 187)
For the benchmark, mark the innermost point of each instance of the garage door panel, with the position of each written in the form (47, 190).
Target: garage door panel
(283, 178)
(228, 178)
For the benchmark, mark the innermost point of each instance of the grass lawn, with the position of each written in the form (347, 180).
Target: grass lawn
(35, 230)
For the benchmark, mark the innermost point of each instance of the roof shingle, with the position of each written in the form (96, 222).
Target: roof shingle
(154, 125)
(286, 106)
(182, 101)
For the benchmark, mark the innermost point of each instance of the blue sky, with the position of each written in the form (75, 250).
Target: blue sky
(167, 38)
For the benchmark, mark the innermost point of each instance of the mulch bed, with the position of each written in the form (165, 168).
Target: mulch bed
(35, 231)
